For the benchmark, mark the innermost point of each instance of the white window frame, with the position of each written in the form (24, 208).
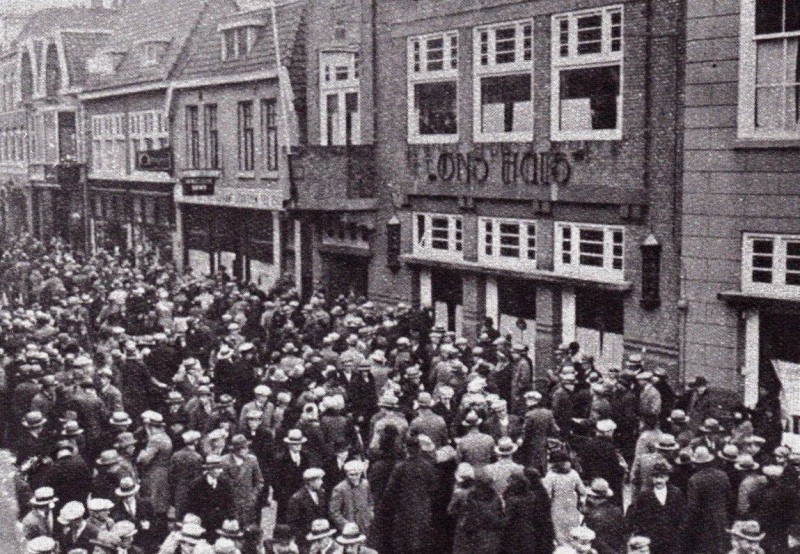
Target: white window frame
(573, 60)
(146, 125)
(778, 286)
(489, 244)
(746, 127)
(329, 62)
(521, 65)
(423, 247)
(574, 268)
(108, 144)
(252, 33)
(150, 52)
(448, 73)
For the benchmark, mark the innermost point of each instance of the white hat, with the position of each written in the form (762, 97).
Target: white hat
(582, 533)
(606, 425)
(354, 466)
(313, 473)
(262, 390)
(71, 511)
(99, 504)
(41, 545)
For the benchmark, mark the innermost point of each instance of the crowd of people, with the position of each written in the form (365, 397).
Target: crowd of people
(153, 412)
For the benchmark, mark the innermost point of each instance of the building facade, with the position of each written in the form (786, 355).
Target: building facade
(741, 223)
(231, 136)
(13, 150)
(507, 187)
(126, 122)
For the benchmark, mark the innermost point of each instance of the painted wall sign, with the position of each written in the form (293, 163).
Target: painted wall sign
(529, 168)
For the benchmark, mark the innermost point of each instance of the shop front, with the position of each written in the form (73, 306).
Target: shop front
(239, 242)
(594, 318)
(511, 303)
(443, 290)
(57, 203)
(133, 218)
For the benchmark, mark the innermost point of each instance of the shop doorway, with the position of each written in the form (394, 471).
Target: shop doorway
(346, 275)
(516, 303)
(599, 326)
(447, 299)
(779, 363)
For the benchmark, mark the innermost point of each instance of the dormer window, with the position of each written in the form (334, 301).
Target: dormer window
(151, 51)
(238, 39)
(104, 63)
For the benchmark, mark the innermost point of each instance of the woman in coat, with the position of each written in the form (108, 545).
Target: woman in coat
(565, 489)
(479, 519)
(528, 527)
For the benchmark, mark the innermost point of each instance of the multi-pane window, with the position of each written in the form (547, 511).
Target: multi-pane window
(432, 88)
(238, 42)
(771, 264)
(340, 120)
(507, 242)
(211, 136)
(148, 131)
(192, 137)
(587, 53)
(769, 89)
(247, 160)
(439, 235)
(108, 143)
(269, 133)
(503, 81)
(596, 251)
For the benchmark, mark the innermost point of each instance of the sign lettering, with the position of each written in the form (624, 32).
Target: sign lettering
(529, 168)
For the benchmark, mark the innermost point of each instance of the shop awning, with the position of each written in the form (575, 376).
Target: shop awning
(539, 276)
(749, 300)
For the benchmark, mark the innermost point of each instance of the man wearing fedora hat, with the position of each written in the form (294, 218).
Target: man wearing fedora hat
(211, 496)
(708, 499)
(32, 444)
(69, 475)
(678, 425)
(130, 506)
(750, 480)
(746, 537)
(657, 512)
(539, 424)
(604, 517)
(290, 464)
(775, 507)
(475, 447)
(352, 540)
(666, 447)
(40, 520)
(500, 471)
(388, 414)
(244, 474)
(76, 532)
(319, 539)
(307, 505)
(600, 457)
(185, 467)
(282, 541)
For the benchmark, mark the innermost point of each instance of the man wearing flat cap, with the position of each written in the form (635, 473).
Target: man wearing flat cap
(185, 467)
(307, 504)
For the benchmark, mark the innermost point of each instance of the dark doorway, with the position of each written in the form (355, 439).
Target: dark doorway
(448, 292)
(346, 274)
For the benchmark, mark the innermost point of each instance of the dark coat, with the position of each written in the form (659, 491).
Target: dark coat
(539, 424)
(647, 517)
(185, 467)
(562, 403)
(84, 539)
(410, 488)
(599, 458)
(212, 506)
(607, 521)
(288, 480)
(479, 525)
(703, 530)
(528, 526)
(774, 521)
(70, 478)
(301, 510)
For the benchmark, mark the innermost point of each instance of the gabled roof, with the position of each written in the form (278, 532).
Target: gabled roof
(203, 55)
(78, 48)
(168, 21)
(48, 21)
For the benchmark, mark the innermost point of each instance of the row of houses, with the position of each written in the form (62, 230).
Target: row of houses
(618, 173)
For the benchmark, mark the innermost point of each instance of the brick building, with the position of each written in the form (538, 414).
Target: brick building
(13, 148)
(125, 112)
(741, 223)
(499, 184)
(51, 56)
(230, 137)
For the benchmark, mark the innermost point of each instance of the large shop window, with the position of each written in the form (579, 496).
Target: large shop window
(592, 251)
(587, 75)
(769, 89)
(432, 88)
(503, 62)
(339, 101)
(439, 236)
(509, 243)
(771, 264)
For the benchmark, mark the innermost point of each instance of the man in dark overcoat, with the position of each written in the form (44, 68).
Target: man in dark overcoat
(708, 494)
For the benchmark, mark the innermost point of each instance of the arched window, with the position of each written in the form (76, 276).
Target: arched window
(26, 76)
(52, 72)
